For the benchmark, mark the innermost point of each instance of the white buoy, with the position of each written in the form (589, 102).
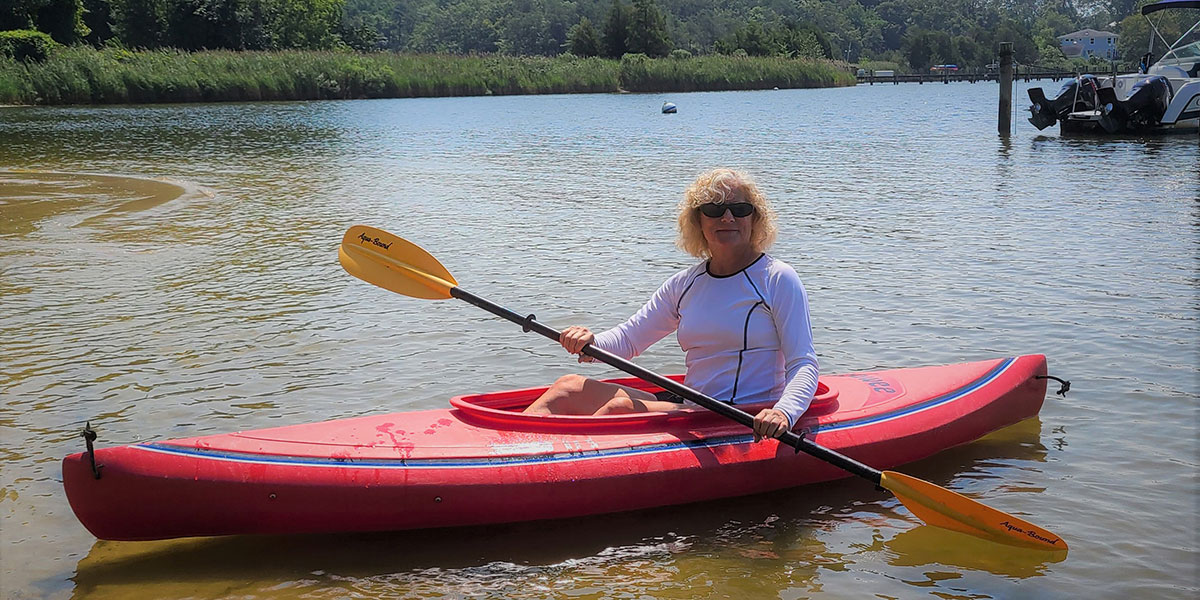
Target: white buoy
(669, 108)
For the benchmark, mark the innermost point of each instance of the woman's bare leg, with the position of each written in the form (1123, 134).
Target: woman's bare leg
(579, 395)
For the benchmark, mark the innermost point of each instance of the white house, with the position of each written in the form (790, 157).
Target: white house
(1087, 43)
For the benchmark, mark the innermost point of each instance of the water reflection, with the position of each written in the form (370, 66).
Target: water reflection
(911, 548)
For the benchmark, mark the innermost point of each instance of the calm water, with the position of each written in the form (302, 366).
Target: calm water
(171, 271)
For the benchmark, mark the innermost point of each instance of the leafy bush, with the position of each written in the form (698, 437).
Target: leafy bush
(26, 44)
(680, 54)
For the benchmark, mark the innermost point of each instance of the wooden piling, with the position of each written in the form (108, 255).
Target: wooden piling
(1006, 80)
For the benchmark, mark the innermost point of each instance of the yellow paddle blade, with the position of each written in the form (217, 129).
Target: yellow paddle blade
(939, 506)
(394, 263)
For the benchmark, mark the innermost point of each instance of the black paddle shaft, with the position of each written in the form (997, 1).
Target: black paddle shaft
(529, 323)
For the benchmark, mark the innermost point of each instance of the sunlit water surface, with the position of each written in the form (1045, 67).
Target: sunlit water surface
(170, 271)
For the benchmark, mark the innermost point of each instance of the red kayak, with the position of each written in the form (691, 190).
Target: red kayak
(483, 461)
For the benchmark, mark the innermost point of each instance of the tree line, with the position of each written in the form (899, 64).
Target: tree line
(915, 33)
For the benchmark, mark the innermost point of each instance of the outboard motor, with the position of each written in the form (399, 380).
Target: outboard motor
(1145, 106)
(1076, 94)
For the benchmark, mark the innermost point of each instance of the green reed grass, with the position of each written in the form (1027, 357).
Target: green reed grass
(81, 75)
(730, 73)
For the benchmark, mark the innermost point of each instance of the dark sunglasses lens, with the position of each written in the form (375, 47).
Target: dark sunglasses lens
(741, 209)
(716, 211)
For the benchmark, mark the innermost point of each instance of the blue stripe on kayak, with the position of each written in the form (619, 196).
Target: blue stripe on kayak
(526, 459)
(936, 401)
(442, 463)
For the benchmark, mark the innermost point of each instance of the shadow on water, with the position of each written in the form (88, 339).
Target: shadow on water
(800, 525)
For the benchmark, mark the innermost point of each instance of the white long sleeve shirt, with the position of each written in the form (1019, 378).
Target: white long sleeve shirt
(747, 336)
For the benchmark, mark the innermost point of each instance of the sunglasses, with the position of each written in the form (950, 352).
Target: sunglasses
(716, 211)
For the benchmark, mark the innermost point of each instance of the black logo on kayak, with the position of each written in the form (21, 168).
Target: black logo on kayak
(1030, 533)
(370, 240)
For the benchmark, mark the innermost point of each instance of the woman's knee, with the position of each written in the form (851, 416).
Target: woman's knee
(617, 406)
(568, 385)
(559, 397)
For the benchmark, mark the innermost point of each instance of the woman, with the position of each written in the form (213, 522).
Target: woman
(741, 316)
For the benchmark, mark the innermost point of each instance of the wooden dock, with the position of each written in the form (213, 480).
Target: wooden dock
(970, 77)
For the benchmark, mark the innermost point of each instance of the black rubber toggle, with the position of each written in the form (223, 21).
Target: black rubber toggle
(1066, 385)
(89, 436)
(527, 324)
(800, 434)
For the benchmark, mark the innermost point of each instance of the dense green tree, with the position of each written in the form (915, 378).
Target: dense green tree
(199, 24)
(18, 14)
(140, 23)
(921, 31)
(616, 29)
(1135, 33)
(789, 39)
(308, 24)
(1113, 10)
(751, 38)
(925, 48)
(62, 19)
(462, 27)
(803, 40)
(534, 27)
(97, 16)
(968, 52)
(583, 39)
(1025, 50)
(362, 34)
(648, 30)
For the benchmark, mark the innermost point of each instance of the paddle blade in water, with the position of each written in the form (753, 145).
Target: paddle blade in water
(394, 263)
(939, 506)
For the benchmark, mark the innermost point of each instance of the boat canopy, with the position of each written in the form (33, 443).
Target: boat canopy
(1165, 4)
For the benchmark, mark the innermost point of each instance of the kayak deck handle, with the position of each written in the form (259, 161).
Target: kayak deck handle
(1062, 391)
(89, 436)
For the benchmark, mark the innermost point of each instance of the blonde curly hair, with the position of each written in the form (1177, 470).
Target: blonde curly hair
(717, 186)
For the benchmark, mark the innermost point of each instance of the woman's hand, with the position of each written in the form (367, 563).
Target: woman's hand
(770, 423)
(574, 338)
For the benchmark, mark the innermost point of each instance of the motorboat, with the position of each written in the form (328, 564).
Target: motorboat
(1162, 97)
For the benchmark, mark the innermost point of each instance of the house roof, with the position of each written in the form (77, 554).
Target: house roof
(1087, 33)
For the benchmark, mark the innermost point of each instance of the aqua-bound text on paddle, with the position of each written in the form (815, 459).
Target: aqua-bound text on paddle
(364, 238)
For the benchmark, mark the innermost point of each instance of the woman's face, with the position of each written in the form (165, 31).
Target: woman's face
(728, 235)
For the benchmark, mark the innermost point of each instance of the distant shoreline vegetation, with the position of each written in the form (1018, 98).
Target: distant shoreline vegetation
(82, 75)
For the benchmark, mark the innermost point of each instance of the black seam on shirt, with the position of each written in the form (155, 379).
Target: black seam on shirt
(685, 291)
(708, 263)
(762, 298)
(745, 344)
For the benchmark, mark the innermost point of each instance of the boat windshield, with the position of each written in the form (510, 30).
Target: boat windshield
(1185, 51)
(1183, 54)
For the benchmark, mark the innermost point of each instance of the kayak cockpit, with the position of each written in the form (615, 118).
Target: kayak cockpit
(503, 410)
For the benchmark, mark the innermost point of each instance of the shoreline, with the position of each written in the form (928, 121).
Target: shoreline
(243, 101)
(86, 76)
